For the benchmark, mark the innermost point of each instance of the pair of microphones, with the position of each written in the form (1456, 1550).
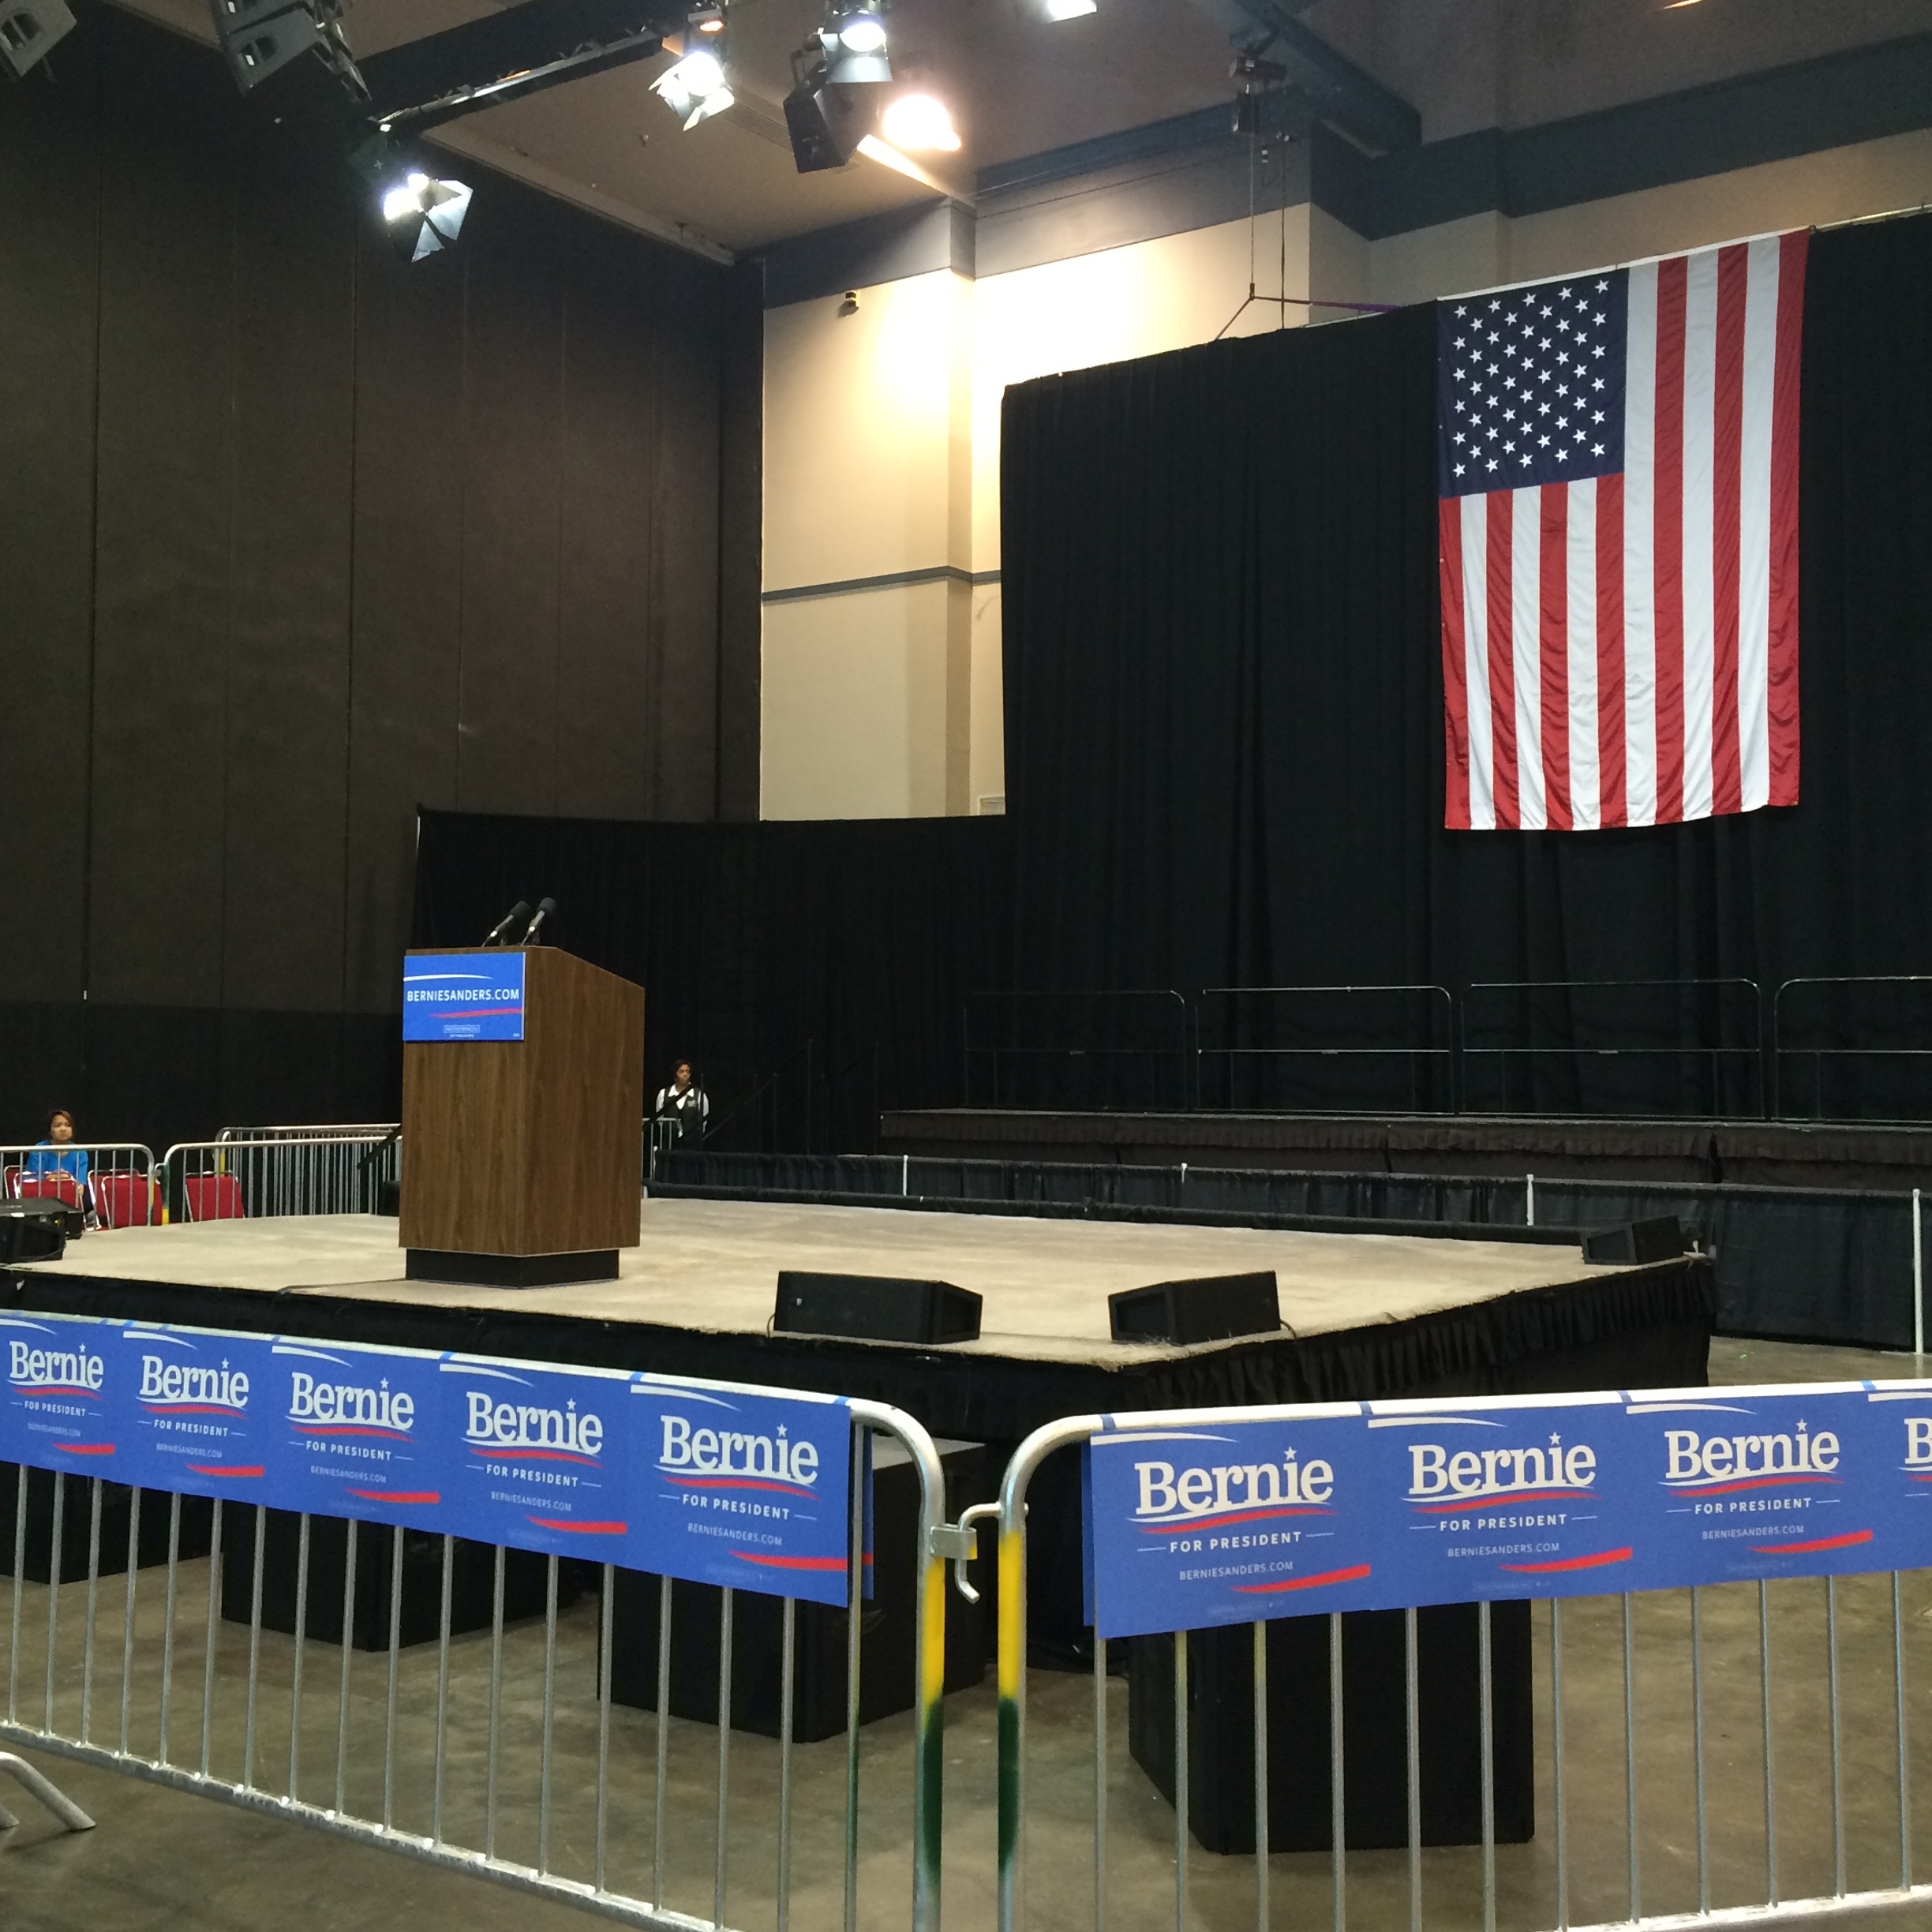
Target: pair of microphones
(520, 911)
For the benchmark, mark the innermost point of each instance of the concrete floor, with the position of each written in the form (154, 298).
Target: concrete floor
(163, 1858)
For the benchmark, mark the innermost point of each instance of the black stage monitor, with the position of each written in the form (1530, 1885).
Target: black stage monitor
(34, 1230)
(874, 1307)
(1659, 1239)
(1209, 1308)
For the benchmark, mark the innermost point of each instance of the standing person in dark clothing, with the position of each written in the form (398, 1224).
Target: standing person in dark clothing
(686, 1105)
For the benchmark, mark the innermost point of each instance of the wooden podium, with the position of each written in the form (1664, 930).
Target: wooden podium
(522, 1159)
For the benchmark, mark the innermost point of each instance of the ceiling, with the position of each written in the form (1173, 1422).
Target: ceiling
(1018, 86)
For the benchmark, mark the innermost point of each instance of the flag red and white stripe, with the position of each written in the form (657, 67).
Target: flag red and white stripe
(1622, 649)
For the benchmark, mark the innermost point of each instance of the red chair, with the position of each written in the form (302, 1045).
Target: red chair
(57, 1185)
(212, 1197)
(127, 1200)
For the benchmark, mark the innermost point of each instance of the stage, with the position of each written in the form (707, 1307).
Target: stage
(1364, 1314)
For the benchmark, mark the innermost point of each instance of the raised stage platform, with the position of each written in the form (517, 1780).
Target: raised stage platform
(1364, 1314)
(1367, 1315)
(1750, 1153)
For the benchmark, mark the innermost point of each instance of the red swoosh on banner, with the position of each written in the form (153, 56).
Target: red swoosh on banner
(1508, 1499)
(1569, 1563)
(741, 1482)
(218, 1469)
(1817, 1543)
(399, 1495)
(1297, 1583)
(348, 1429)
(1752, 1482)
(85, 1448)
(1168, 1523)
(793, 1562)
(540, 1455)
(580, 1529)
(57, 1388)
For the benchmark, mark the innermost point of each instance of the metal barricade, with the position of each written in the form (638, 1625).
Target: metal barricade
(282, 1171)
(1372, 1048)
(478, 1731)
(1729, 1754)
(1852, 1046)
(1693, 1047)
(1131, 1048)
(115, 1181)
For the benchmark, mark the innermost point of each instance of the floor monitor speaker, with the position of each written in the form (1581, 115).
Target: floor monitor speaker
(1209, 1308)
(1659, 1240)
(33, 1231)
(874, 1307)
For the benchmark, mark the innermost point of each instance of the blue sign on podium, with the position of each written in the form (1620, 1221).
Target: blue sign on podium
(463, 996)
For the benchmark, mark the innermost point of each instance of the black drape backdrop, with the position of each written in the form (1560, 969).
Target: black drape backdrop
(1224, 701)
(812, 973)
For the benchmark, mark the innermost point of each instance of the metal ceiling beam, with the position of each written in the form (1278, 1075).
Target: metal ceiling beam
(506, 56)
(1343, 93)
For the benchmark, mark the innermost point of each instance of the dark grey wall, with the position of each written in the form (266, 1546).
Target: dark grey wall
(296, 537)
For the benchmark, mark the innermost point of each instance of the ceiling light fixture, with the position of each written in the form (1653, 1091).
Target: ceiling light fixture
(707, 20)
(853, 46)
(1068, 9)
(861, 31)
(424, 215)
(29, 28)
(695, 87)
(919, 124)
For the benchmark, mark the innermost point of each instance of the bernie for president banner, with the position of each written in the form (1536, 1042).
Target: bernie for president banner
(1229, 1516)
(707, 1482)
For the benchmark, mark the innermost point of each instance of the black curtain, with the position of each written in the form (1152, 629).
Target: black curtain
(812, 973)
(1224, 720)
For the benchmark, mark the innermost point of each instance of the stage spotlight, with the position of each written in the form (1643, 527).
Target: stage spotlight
(853, 44)
(28, 28)
(918, 124)
(424, 215)
(1068, 9)
(695, 88)
(707, 20)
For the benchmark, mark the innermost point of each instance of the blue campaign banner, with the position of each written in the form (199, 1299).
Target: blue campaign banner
(463, 996)
(192, 1412)
(360, 1429)
(541, 1457)
(1223, 1517)
(56, 1406)
(1740, 1483)
(710, 1483)
(739, 1487)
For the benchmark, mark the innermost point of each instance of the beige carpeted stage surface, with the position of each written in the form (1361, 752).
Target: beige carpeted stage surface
(712, 1267)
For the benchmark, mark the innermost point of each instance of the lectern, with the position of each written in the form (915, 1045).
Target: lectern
(522, 1112)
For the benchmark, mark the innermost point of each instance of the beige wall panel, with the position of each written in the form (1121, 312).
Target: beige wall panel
(863, 417)
(987, 765)
(857, 704)
(1874, 177)
(1168, 293)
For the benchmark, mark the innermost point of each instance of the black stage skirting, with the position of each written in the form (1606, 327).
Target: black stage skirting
(1810, 1264)
(1645, 1327)
(1751, 1153)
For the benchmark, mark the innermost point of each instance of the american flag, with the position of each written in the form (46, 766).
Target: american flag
(1618, 477)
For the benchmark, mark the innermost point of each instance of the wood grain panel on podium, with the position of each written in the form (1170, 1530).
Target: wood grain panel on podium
(534, 1146)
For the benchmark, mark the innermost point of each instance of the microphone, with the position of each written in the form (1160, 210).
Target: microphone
(544, 908)
(520, 910)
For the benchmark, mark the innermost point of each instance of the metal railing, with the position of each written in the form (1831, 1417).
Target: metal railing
(281, 1172)
(1725, 1754)
(1279, 1048)
(114, 1181)
(1130, 1048)
(537, 1720)
(1614, 1046)
(1860, 1052)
